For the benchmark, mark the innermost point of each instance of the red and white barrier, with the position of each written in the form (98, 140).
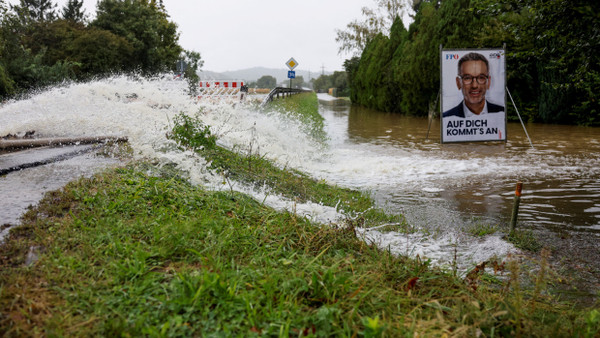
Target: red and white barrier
(220, 89)
(221, 84)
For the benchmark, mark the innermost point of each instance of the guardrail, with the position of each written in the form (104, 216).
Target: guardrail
(283, 91)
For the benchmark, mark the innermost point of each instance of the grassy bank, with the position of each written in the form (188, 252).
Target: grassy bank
(139, 251)
(305, 108)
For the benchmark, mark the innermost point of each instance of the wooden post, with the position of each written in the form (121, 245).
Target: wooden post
(515, 211)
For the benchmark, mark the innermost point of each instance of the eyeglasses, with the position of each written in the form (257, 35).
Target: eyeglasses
(468, 79)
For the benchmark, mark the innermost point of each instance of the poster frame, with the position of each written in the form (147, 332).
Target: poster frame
(443, 51)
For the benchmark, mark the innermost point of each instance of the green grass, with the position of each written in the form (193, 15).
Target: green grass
(253, 169)
(479, 228)
(305, 108)
(126, 253)
(139, 251)
(524, 239)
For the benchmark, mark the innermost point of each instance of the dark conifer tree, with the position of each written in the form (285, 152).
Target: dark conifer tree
(35, 10)
(73, 11)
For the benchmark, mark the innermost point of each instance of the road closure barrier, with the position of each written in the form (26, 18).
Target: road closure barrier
(222, 89)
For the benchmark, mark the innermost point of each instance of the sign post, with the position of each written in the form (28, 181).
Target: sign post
(181, 67)
(291, 63)
(291, 75)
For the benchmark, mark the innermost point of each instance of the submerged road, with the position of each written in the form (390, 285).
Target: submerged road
(26, 175)
(29, 158)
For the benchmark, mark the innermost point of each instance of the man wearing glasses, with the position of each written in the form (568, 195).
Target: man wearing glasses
(473, 80)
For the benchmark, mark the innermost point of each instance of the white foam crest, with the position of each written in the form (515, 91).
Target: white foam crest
(141, 110)
(119, 106)
(315, 212)
(267, 134)
(445, 250)
(367, 167)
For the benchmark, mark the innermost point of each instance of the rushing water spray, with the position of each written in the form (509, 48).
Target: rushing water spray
(143, 111)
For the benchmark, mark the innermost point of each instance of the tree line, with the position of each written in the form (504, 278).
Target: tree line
(41, 44)
(552, 56)
(337, 80)
(321, 84)
(268, 81)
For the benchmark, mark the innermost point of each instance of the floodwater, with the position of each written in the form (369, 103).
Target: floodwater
(20, 189)
(441, 189)
(560, 173)
(451, 186)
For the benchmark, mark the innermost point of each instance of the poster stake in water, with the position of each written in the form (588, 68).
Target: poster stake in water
(473, 97)
(515, 211)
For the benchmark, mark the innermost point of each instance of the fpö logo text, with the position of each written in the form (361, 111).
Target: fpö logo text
(451, 56)
(497, 55)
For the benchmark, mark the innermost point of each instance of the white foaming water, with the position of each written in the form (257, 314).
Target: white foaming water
(143, 110)
(441, 249)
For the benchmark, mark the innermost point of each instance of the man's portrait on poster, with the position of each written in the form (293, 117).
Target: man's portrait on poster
(473, 95)
(473, 80)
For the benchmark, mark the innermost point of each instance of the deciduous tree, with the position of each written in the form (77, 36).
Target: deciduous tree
(147, 28)
(194, 62)
(100, 52)
(357, 34)
(266, 81)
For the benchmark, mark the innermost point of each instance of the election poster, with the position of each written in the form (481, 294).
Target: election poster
(473, 97)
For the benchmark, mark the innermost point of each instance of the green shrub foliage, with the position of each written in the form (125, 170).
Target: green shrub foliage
(41, 45)
(553, 56)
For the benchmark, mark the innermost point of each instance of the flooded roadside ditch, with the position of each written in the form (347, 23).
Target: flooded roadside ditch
(29, 174)
(440, 188)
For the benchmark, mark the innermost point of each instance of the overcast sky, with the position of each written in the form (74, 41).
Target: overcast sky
(238, 34)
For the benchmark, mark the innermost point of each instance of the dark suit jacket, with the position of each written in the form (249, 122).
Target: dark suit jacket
(458, 110)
